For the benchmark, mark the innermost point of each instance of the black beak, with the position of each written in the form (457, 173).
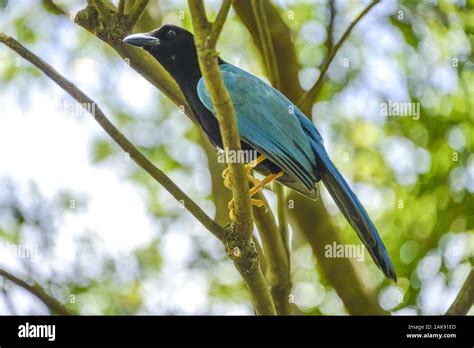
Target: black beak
(142, 40)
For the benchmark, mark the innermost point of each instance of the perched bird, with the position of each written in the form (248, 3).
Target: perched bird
(290, 147)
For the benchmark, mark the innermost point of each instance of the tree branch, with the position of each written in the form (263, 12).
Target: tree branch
(278, 273)
(309, 97)
(221, 195)
(136, 12)
(239, 233)
(51, 7)
(121, 7)
(220, 19)
(288, 65)
(330, 30)
(283, 218)
(90, 106)
(266, 40)
(465, 299)
(106, 13)
(225, 113)
(54, 305)
(261, 254)
(273, 235)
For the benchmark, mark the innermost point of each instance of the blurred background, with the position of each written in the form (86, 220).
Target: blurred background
(81, 221)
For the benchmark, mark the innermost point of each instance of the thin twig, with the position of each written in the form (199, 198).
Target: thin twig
(330, 31)
(239, 236)
(136, 12)
(266, 40)
(311, 95)
(50, 6)
(121, 7)
(282, 218)
(89, 105)
(53, 304)
(273, 236)
(220, 19)
(283, 42)
(465, 299)
(260, 253)
(276, 257)
(104, 12)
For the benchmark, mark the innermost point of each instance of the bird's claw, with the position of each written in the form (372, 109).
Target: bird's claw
(256, 202)
(257, 186)
(232, 212)
(227, 178)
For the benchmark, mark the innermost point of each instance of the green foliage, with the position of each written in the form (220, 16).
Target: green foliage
(52, 8)
(102, 150)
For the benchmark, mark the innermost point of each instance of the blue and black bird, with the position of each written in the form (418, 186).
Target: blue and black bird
(290, 147)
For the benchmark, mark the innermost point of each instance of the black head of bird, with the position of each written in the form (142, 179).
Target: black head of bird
(172, 46)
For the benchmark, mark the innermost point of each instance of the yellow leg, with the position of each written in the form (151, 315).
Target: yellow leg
(227, 178)
(257, 185)
(248, 167)
(255, 162)
(233, 215)
(253, 180)
(270, 178)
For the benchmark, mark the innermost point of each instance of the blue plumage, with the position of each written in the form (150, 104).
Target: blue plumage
(258, 108)
(273, 125)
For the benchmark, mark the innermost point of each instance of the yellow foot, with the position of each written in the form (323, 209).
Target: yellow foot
(259, 187)
(227, 178)
(253, 180)
(232, 213)
(248, 168)
(252, 164)
(256, 202)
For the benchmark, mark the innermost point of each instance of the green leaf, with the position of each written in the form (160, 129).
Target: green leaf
(406, 30)
(101, 151)
(51, 7)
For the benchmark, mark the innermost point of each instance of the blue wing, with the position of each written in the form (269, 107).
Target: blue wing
(267, 121)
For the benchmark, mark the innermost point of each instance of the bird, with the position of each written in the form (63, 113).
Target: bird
(289, 148)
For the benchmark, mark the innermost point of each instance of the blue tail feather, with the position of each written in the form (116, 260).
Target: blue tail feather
(353, 210)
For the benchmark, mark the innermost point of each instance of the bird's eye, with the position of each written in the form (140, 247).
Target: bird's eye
(171, 34)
